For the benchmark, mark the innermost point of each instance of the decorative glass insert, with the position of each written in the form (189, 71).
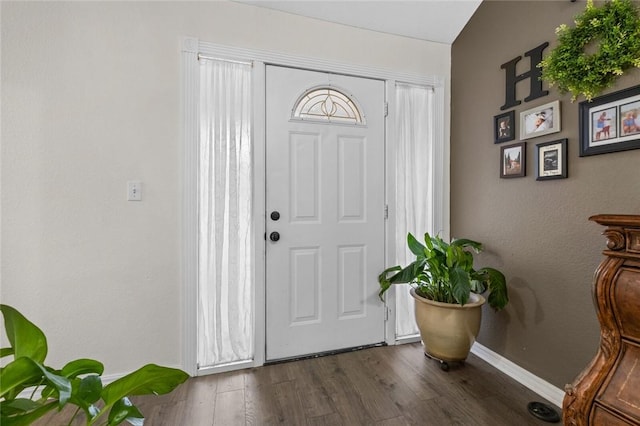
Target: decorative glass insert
(327, 104)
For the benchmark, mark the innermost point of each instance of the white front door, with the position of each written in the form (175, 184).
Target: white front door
(325, 213)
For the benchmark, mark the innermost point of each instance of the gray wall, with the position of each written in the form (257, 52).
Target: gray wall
(536, 231)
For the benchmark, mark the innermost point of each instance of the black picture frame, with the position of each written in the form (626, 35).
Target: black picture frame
(513, 160)
(610, 123)
(551, 160)
(504, 127)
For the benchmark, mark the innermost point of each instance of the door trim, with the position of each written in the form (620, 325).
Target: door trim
(190, 49)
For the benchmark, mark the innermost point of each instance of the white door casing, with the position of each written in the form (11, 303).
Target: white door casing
(326, 181)
(191, 50)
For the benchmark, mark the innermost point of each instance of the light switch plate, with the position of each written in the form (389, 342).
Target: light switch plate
(134, 190)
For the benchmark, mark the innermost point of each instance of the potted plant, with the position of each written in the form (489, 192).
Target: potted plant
(29, 389)
(447, 290)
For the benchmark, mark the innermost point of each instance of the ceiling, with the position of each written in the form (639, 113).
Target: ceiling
(432, 20)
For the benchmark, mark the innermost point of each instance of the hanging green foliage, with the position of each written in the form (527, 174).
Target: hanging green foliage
(588, 58)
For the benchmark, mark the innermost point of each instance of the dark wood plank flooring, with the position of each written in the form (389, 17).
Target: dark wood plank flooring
(385, 386)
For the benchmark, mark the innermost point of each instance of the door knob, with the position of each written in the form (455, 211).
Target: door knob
(275, 215)
(274, 236)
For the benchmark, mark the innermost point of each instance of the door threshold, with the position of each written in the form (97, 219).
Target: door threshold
(326, 353)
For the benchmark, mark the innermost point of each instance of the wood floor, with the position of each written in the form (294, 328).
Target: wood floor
(385, 386)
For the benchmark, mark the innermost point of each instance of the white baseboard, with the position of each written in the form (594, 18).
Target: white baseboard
(543, 388)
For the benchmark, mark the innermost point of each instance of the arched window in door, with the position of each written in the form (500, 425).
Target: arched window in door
(329, 104)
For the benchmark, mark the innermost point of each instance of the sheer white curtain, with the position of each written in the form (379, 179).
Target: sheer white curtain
(225, 281)
(414, 184)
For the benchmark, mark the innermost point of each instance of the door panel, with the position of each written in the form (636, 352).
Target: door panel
(351, 179)
(305, 286)
(351, 286)
(326, 180)
(305, 182)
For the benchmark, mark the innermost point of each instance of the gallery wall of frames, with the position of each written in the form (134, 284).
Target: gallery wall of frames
(609, 123)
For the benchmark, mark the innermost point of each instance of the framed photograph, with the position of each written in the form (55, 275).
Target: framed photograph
(610, 123)
(512, 160)
(551, 160)
(540, 121)
(504, 127)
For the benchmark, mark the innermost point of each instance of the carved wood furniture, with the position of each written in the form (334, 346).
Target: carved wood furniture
(607, 392)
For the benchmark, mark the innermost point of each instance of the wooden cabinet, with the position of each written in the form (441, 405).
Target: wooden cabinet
(607, 392)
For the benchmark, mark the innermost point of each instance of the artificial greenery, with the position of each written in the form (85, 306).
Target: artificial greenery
(78, 383)
(444, 272)
(588, 58)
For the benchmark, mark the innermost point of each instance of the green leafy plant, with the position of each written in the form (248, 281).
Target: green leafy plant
(589, 57)
(78, 383)
(443, 272)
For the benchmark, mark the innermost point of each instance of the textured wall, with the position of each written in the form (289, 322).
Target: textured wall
(90, 100)
(536, 231)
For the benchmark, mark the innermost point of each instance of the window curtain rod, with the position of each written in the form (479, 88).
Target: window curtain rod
(211, 58)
